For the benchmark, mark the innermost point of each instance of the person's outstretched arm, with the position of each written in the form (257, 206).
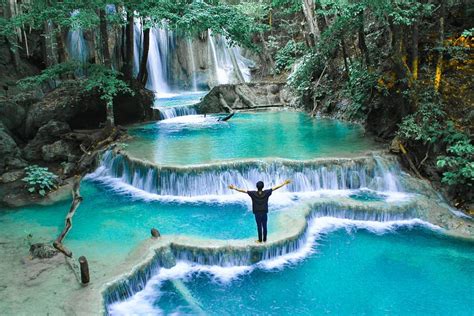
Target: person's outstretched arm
(233, 187)
(281, 185)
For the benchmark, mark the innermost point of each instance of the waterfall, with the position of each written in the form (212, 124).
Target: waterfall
(193, 64)
(137, 45)
(76, 43)
(219, 72)
(175, 111)
(230, 261)
(213, 179)
(157, 65)
(228, 63)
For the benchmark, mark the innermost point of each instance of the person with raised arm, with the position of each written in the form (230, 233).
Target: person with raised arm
(260, 206)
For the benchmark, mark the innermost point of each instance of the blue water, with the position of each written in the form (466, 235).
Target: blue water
(109, 223)
(181, 99)
(408, 272)
(283, 134)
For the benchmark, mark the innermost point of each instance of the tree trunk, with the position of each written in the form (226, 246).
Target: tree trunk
(143, 73)
(104, 38)
(439, 63)
(129, 41)
(12, 41)
(76, 201)
(308, 10)
(361, 37)
(414, 52)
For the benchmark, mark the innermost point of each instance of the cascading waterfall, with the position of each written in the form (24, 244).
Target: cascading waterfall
(175, 111)
(193, 64)
(158, 61)
(219, 72)
(213, 179)
(137, 45)
(76, 43)
(228, 63)
(228, 262)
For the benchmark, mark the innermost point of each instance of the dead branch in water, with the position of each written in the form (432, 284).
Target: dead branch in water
(76, 201)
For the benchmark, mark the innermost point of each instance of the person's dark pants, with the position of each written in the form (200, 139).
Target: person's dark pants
(261, 219)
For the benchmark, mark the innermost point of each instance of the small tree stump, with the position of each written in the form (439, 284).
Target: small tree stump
(155, 233)
(85, 277)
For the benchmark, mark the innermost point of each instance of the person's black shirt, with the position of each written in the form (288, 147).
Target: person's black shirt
(260, 201)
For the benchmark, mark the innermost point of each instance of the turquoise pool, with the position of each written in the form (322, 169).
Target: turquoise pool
(181, 99)
(355, 272)
(197, 139)
(107, 223)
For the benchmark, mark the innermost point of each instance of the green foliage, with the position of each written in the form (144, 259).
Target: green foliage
(106, 81)
(360, 88)
(99, 78)
(430, 125)
(459, 164)
(301, 79)
(39, 180)
(286, 56)
(50, 73)
(468, 33)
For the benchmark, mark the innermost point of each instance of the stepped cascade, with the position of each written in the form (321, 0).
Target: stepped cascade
(213, 179)
(236, 158)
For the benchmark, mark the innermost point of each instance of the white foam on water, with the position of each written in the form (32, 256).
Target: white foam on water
(279, 199)
(145, 299)
(191, 120)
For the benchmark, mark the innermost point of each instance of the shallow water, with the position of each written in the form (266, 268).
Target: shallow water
(403, 272)
(283, 134)
(107, 223)
(181, 99)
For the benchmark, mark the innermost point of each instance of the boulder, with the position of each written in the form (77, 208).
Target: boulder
(82, 109)
(47, 134)
(62, 104)
(12, 115)
(60, 150)
(227, 97)
(42, 251)
(10, 154)
(11, 176)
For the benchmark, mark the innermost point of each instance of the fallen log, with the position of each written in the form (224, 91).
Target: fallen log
(76, 201)
(228, 117)
(410, 162)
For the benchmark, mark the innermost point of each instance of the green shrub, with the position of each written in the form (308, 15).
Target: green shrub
(459, 164)
(286, 56)
(39, 180)
(430, 125)
(359, 88)
(301, 79)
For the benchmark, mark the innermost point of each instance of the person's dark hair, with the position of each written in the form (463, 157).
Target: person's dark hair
(260, 185)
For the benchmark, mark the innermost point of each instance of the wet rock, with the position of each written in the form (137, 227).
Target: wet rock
(47, 134)
(42, 251)
(10, 154)
(11, 176)
(12, 115)
(244, 96)
(82, 109)
(68, 168)
(62, 104)
(57, 151)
